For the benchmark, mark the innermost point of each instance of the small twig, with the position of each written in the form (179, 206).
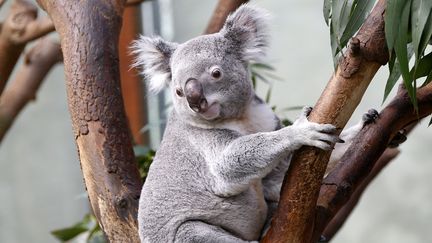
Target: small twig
(38, 62)
(19, 27)
(222, 10)
(35, 29)
(2, 2)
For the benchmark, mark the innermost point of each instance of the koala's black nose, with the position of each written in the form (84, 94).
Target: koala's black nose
(195, 95)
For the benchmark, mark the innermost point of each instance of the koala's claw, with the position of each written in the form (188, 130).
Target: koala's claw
(399, 138)
(370, 116)
(306, 111)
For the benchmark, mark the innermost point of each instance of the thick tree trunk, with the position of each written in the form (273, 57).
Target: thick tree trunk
(294, 218)
(89, 32)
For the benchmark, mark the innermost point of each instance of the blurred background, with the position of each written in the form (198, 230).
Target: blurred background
(41, 186)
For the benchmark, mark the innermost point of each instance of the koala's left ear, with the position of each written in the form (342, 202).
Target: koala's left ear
(247, 28)
(153, 55)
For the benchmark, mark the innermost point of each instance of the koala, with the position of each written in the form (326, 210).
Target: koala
(218, 172)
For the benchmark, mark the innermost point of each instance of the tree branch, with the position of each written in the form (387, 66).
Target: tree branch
(38, 62)
(90, 50)
(20, 14)
(367, 147)
(222, 10)
(339, 219)
(2, 2)
(295, 215)
(34, 30)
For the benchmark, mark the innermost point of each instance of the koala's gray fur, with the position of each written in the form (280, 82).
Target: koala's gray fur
(217, 174)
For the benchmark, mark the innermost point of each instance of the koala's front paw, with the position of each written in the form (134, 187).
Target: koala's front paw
(313, 134)
(370, 116)
(399, 138)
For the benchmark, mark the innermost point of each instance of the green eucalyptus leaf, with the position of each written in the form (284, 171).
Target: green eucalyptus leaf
(260, 65)
(420, 10)
(261, 77)
(358, 15)
(423, 68)
(427, 34)
(69, 233)
(337, 6)
(327, 10)
(268, 95)
(395, 71)
(428, 79)
(394, 76)
(392, 20)
(402, 54)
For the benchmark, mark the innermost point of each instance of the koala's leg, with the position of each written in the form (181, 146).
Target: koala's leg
(200, 232)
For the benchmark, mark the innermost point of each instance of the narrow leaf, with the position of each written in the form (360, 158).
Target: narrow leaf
(260, 65)
(327, 10)
(424, 67)
(69, 233)
(420, 11)
(392, 21)
(402, 53)
(361, 9)
(395, 71)
(427, 33)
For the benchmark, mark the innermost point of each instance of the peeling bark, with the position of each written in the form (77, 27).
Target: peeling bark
(358, 160)
(37, 63)
(89, 32)
(221, 12)
(295, 215)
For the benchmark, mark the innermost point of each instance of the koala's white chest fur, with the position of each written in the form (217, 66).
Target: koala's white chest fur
(258, 117)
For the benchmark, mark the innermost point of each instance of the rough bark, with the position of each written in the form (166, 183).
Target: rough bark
(295, 215)
(341, 216)
(222, 10)
(358, 161)
(131, 83)
(89, 32)
(37, 63)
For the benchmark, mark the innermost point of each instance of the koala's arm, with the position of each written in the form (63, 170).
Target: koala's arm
(251, 157)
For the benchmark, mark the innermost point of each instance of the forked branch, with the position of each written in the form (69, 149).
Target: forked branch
(38, 62)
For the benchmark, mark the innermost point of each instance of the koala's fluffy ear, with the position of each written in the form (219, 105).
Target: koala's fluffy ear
(247, 27)
(153, 56)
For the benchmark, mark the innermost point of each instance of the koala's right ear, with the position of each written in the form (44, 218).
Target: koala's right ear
(153, 55)
(247, 29)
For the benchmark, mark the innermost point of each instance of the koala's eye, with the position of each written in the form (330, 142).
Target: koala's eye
(216, 73)
(179, 92)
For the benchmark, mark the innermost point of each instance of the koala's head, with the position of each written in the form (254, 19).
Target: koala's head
(208, 76)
